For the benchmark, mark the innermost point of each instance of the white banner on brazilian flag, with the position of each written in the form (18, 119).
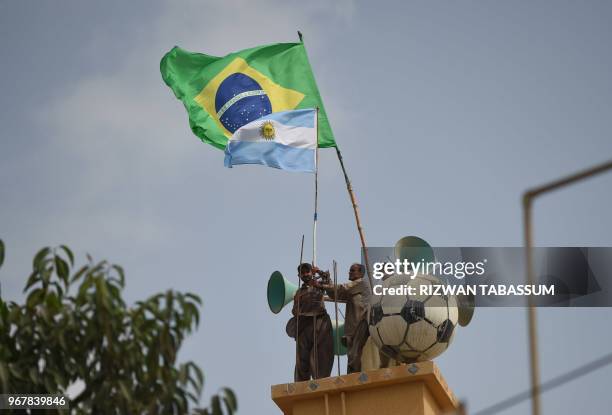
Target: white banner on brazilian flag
(284, 140)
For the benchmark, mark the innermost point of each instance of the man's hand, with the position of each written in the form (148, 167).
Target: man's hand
(323, 274)
(324, 285)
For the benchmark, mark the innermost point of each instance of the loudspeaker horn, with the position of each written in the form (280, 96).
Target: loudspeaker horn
(414, 249)
(466, 305)
(337, 334)
(280, 292)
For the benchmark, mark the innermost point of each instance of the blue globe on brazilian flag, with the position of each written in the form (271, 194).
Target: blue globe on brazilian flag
(222, 94)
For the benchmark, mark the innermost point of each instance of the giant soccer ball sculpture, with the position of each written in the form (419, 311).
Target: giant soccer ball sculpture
(412, 328)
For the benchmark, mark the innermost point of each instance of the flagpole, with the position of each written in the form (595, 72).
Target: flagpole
(297, 314)
(337, 339)
(349, 188)
(314, 237)
(316, 195)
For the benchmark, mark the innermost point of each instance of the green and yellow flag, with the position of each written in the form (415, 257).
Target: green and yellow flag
(221, 94)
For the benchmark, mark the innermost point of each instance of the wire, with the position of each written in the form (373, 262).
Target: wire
(551, 384)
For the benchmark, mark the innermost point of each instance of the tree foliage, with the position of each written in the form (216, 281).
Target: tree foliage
(75, 329)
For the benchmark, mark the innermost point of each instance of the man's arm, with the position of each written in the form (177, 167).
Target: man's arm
(342, 289)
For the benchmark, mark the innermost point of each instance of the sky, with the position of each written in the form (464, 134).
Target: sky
(445, 113)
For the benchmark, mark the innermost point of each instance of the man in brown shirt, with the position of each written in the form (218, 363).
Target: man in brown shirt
(315, 348)
(355, 294)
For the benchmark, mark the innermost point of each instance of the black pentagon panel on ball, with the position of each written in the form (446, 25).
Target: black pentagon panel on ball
(413, 311)
(445, 331)
(376, 314)
(240, 100)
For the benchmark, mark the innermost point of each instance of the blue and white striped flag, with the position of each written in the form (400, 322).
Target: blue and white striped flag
(283, 140)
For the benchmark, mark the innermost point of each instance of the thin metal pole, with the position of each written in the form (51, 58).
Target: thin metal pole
(316, 353)
(314, 240)
(528, 199)
(297, 317)
(531, 313)
(316, 196)
(335, 265)
(301, 254)
(572, 178)
(349, 188)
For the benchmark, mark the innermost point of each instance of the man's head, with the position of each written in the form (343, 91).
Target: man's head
(356, 271)
(305, 271)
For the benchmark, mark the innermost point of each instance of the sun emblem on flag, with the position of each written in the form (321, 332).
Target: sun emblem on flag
(267, 130)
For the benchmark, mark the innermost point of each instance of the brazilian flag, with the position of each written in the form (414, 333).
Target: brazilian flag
(221, 94)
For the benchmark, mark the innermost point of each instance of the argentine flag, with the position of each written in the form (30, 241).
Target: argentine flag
(284, 140)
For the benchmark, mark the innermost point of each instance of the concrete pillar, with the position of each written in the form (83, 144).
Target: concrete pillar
(414, 389)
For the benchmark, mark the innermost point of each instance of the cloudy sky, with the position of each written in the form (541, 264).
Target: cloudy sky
(445, 112)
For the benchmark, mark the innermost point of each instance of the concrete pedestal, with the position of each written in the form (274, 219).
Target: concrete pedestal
(415, 389)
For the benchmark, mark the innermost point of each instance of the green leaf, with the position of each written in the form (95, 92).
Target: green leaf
(60, 291)
(69, 253)
(53, 303)
(97, 268)
(4, 378)
(125, 391)
(62, 269)
(50, 385)
(194, 297)
(198, 381)
(35, 297)
(62, 340)
(182, 374)
(182, 403)
(215, 405)
(192, 310)
(39, 257)
(121, 274)
(79, 273)
(102, 293)
(15, 372)
(33, 375)
(4, 311)
(34, 277)
(230, 400)
(85, 285)
(114, 292)
(15, 312)
(1, 252)
(193, 397)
